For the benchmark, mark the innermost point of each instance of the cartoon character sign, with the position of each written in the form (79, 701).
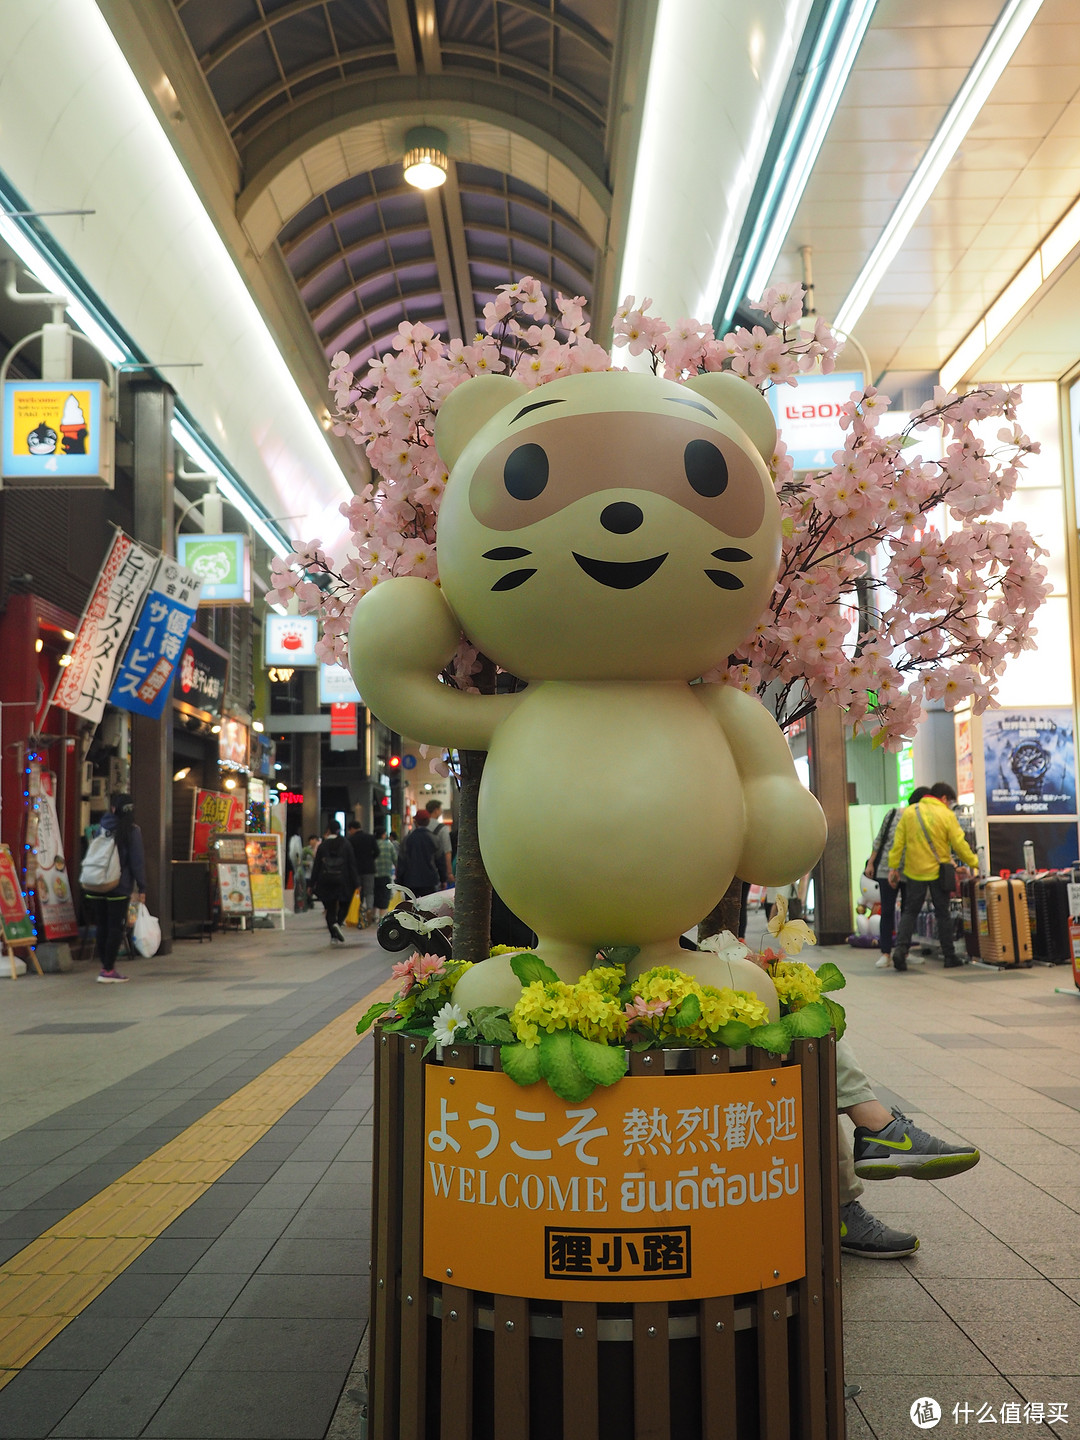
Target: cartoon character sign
(610, 538)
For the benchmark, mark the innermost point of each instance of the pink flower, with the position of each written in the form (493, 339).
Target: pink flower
(418, 970)
(641, 1009)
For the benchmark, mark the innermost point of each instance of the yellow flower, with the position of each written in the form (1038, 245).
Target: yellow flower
(792, 934)
(584, 1007)
(796, 984)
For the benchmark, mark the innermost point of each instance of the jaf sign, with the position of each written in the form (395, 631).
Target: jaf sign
(145, 675)
(337, 687)
(290, 640)
(666, 1188)
(56, 433)
(808, 416)
(83, 685)
(222, 563)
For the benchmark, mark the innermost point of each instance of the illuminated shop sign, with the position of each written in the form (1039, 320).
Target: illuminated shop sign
(56, 433)
(808, 416)
(337, 687)
(290, 640)
(222, 563)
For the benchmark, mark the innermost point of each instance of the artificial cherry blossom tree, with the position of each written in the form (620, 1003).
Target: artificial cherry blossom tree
(897, 585)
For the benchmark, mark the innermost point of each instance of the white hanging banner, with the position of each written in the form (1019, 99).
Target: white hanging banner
(55, 904)
(83, 686)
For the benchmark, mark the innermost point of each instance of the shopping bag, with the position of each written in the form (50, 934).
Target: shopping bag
(353, 915)
(146, 936)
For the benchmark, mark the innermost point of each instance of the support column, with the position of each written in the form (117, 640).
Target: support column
(828, 781)
(310, 744)
(152, 740)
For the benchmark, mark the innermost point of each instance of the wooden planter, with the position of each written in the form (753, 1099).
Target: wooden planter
(449, 1363)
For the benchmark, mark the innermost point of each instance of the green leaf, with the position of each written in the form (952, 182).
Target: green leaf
(787, 525)
(496, 1030)
(773, 1037)
(830, 976)
(370, 1016)
(600, 1063)
(837, 1014)
(521, 1063)
(394, 1025)
(878, 740)
(431, 1043)
(809, 1023)
(528, 968)
(560, 1068)
(619, 954)
(688, 1013)
(639, 1046)
(735, 1034)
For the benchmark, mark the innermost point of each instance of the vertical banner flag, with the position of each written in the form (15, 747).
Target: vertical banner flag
(145, 675)
(83, 686)
(55, 903)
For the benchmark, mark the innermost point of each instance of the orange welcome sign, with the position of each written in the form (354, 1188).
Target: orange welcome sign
(665, 1188)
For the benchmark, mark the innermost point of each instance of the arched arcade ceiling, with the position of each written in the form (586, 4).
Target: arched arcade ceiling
(317, 96)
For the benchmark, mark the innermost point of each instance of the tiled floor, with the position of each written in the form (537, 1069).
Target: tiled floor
(245, 1317)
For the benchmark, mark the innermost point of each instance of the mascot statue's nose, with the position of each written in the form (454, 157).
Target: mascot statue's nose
(621, 517)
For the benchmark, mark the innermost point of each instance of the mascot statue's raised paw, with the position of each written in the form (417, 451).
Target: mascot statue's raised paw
(608, 538)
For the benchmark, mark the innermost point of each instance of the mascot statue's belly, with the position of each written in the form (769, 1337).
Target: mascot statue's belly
(610, 813)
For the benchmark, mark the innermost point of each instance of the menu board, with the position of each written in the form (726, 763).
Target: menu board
(215, 813)
(234, 881)
(264, 864)
(16, 924)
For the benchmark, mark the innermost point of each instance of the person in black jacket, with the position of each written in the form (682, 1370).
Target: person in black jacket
(112, 908)
(365, 850)
(417, 862)
(334, 878)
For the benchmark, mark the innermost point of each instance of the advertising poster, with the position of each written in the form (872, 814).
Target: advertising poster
(233, 743)
(200, 686)
(671, 1188)
(290, 640)
(16, 924)
(234, 881)
(54, 432)
(51, 884)
(1030, 761)
(965, 759)
(145, 675)
(264, 864)
(215, 813)
(222, 563)
(83, 686)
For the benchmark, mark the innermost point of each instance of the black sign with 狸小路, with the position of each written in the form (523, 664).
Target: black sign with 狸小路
(200, 683)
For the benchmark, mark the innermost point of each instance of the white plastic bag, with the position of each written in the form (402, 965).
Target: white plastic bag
(146, 935)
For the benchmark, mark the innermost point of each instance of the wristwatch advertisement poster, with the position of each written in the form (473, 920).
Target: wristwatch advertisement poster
(1030, 762)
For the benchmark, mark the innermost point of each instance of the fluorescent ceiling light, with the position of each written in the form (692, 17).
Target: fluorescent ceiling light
(1012, 25)
(39, 267)
(837, 45)
(228, 488)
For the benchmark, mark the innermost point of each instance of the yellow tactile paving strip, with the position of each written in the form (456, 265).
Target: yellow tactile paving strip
(56, 1276)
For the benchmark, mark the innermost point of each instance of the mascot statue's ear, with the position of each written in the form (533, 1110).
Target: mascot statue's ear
(468, 408)
(746, 406)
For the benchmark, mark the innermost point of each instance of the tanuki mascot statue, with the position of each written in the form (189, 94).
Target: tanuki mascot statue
(609, 538)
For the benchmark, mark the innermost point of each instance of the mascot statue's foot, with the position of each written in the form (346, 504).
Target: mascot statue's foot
(493, 982)
(722, 972)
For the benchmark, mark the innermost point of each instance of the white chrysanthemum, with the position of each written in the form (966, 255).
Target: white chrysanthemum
(450, 1019)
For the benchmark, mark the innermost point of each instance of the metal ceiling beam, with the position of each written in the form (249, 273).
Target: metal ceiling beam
(459, 249)
(355, 207)
(236, 118)
(483, 229)
(435, 318)
(547, 211)
(406, 100)
(427, 27)
(345, 253)
(385, 274)
(441, 244)
(241, 37)
(565, 24)
(401, 29)
(535, 72)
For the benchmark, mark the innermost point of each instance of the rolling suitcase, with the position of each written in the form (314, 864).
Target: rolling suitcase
(1007, 941)
(1048, 906)
(971, 916)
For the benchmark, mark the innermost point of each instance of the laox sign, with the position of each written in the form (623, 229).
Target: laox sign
(810, 420)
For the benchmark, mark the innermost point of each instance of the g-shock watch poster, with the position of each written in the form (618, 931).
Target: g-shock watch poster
(1030, 762)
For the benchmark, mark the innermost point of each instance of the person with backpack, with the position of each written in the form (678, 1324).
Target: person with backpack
(440, 833)
(417, 863)
(365, 850)
(334, 878)
(113, 872)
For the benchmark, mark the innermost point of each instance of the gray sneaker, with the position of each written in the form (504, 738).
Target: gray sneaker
(901, 1148)
(864, 1234)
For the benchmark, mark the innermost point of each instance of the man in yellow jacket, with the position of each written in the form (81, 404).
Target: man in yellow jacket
(926, 837)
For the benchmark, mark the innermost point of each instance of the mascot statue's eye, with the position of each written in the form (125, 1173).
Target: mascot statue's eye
(526, 472)
(705, 467)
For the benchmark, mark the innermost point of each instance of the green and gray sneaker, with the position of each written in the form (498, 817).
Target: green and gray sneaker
(864, 1234)
(901, 1148)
